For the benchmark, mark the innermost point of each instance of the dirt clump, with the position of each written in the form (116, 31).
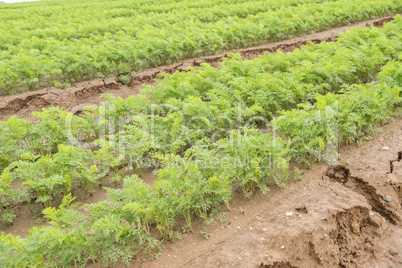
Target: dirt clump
(278, 265)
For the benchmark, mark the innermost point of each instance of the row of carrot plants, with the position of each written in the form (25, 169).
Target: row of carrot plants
(44, 44)
(205, 129)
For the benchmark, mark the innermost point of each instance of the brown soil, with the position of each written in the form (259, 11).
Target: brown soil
(88, 93)
(339, 218)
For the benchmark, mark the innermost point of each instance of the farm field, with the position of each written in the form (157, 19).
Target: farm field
(65, 42)
(211, 134)
(86, 93)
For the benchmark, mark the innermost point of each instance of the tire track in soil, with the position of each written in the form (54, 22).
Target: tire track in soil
(87, 93)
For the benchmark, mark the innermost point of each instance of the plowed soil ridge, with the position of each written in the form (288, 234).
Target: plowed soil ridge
(87, 93)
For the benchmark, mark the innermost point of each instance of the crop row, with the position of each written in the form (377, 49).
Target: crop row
(55, 47)
(208, 130)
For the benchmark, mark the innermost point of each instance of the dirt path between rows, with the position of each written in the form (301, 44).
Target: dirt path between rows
(334, 217)
(88, 93)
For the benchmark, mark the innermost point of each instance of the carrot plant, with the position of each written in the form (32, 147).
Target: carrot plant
(391, 73)
(13, 251)
(254, 159)
(13, 140)
(61, 173)
(337, 119)
(7, 196)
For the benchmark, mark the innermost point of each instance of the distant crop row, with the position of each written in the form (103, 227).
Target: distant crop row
(57, 43)
(208, 129)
